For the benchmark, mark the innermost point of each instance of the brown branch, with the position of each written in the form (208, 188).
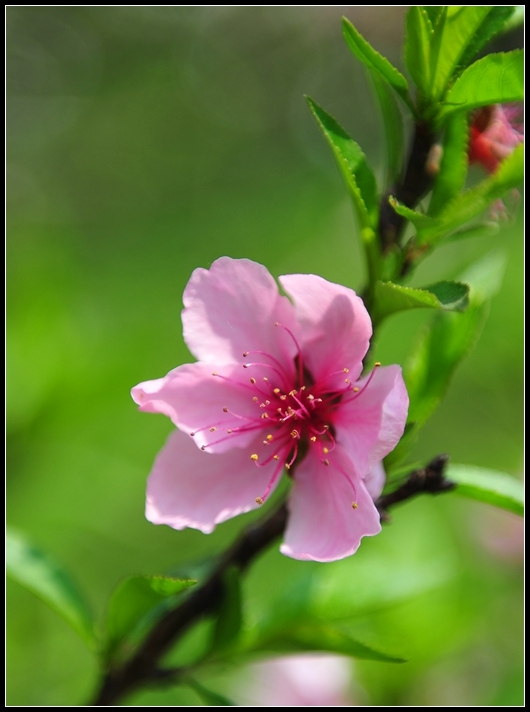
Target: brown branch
(430, 479)
(143, 667)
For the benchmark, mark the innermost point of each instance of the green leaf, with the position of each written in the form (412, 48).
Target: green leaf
(321, 636)
(494, 79)
(453, 166)
(448, 339)
(433, 12)
(228, 624)
(418, 47)
(455, 29)
(489, 486)
(493, 23)
(391, 298)
(352, 164)
(135, 598)
(393, 126)
(419, 220)
(210, 698)
(375, 62)
(40, 574)
(474, 202)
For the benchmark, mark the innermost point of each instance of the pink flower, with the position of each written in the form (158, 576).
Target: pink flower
(495, 133)
(276, 386)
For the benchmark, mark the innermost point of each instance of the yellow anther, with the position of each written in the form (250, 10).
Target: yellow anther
(294, 433)
(275, 457)
(264, 415)
(355, 389)
(276, 390)
(269, 437)
(326, 427)
(215, 373)
(259, 501)
(287, 467)
(212, 430)
(267, 402)
(283, 397)
(254, 457)
(347, 380)
(265, 378)
(346, 370)
(355, 505)
(325, 450)
(310, 397)
(313, 438)
(303, 388)
(255, 399)
(377, 364)
(292, 393)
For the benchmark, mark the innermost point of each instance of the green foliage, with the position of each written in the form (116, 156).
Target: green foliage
(488, 486)
(352, 164)
(375, 62)
(210, 698)
(137, 601)
(494, 79)
(446, 295)
(492, 24)
(393, 126)
(417, 48)
(451, 177)
(474, 202)
(229, 617)
(444, 343)
(39, 573)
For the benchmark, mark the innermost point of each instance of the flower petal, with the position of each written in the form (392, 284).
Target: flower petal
(370, 423)
(375, 480)
(335, 325)
(323, 525)
(232, 308)
(190, 488)
(195, 399)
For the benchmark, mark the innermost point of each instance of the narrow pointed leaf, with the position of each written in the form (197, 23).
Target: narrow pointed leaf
(494, 79)
(454, 164)
(325, 637)
(393, 126)
(474, 202)
(448, 339)
(391, 298)
(492, 24)
(352, 164)
(134, 599)
(40, 574)
(209, 697)
(375, 61)
(228, 624)
(451, 39)
(488, 486)
(419, 220)
(417, 47)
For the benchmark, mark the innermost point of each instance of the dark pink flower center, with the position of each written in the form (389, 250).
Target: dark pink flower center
(294, 413)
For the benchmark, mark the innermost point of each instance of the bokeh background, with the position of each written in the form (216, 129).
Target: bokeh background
(142, 143)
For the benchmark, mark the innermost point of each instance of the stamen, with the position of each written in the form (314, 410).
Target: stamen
(299, 350)
(355, 505)
(254, 457)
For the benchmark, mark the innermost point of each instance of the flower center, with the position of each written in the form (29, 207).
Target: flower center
(295, 414)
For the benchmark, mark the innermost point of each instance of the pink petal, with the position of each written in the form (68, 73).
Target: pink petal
(336, 326)
(232, 308)
(191, 488)
(323, 526)
(375, 480)
(195, 399)
(370, 424)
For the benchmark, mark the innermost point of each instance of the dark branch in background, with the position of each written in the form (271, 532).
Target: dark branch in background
(142, 668)
(430, 479)
(416, 183)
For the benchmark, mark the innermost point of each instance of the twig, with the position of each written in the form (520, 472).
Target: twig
(143, 667)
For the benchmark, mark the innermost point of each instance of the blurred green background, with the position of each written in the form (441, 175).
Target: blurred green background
(142, 143)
